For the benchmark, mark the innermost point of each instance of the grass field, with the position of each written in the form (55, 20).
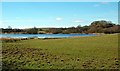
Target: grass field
(94, 52)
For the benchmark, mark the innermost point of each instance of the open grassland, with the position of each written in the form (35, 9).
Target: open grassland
(94, 52)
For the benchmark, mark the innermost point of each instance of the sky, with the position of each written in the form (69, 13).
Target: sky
(56, 14)
(60, 0)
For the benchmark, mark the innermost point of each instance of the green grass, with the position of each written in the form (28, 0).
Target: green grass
(94, 52)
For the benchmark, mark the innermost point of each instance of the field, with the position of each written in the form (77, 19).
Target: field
(94, 52)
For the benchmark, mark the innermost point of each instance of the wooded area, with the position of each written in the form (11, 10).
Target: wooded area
(102, 26)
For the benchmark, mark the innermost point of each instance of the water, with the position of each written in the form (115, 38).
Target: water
(42, 35)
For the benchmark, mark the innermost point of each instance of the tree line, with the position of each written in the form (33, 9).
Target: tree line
(102, 26)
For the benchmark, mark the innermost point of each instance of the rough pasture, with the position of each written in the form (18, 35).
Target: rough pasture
(95, 52)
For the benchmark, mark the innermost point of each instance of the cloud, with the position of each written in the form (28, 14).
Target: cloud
(101, 3)
(17, 18)
(78, 21)
(96, 5)
(58, 19)
(101, 19)
(74, 14)
(104, 2)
